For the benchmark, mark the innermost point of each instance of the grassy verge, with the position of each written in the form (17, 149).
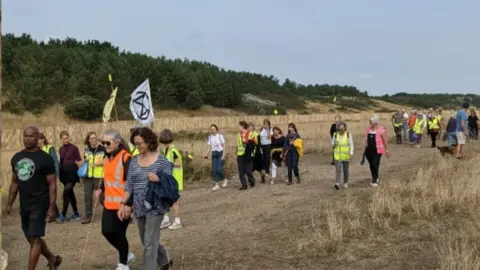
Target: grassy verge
(425, 217)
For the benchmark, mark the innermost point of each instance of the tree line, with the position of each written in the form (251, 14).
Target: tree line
(75, 74)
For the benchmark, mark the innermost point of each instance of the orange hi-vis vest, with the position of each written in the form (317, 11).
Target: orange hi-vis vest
(113, 179)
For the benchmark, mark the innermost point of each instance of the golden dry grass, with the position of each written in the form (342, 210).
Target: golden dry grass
(424, 215)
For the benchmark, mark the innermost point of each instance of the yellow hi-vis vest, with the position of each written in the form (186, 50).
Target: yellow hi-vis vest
(177, 173)
(46, 148)
(133, 150)
(241, 145)
(92, 157)
(341, 152)
(434, 123)
(418, 127)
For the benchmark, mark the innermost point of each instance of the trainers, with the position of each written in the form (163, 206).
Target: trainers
(337, 187)
(165, 224)
(74, 217)
(176, 225)
(272, 181)
(60, 219)
(225, 183)
(345, 185)
(374, 184)
(122, 267)
(130, 258)
(167, 266)
(86, 220)
(56, 264)
(217, 186)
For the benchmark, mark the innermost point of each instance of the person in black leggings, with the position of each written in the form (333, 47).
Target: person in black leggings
(376, 145)
(69, 160)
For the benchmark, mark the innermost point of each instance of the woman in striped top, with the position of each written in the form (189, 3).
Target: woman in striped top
(143, 168)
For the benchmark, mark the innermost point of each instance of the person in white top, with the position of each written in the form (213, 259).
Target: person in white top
(265, 143)
(216, 145)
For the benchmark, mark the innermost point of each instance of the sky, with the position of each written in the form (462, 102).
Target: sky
(381, 46)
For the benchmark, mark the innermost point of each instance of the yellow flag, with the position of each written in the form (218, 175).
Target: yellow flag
(110, 77)
(275, 112)
(107, 110)
(334, 98)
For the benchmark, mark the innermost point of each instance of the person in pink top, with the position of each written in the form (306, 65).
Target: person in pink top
(375, 147)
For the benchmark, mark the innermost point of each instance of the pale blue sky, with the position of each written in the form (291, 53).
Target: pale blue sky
(381, 46)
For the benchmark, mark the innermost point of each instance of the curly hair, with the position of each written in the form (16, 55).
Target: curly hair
(148, 136)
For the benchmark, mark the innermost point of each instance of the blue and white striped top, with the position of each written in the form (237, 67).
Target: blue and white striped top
(137, 180)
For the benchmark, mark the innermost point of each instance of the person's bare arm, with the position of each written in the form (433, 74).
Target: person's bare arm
(13, 190)
(52, 189)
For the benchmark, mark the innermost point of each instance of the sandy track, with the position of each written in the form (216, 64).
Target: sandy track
(226, 229)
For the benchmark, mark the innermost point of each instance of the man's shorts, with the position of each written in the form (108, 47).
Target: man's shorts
(33, 223)
(461, 138)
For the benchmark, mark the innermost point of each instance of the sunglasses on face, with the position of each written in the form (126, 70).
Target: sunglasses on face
(106, 143)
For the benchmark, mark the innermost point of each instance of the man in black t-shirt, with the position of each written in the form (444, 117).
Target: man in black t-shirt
(34, 177)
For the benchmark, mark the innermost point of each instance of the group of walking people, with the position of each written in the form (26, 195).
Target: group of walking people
(263, 151)
(122, 175)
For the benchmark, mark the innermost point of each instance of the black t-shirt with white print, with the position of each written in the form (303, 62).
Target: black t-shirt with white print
(31, 170)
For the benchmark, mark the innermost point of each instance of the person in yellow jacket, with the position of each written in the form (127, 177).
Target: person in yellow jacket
(418, 129)
(94, 155)
(434, 126)
(174, 156)
(343, 147)
(50, 149)
(131, 147)
(246, 143)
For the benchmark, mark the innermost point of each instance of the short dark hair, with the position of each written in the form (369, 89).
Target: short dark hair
(166, 136)
(465, 105)
(148, 136)
(243, 124)
(214, 126)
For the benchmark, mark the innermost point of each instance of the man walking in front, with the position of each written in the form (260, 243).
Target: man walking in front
(461, 130)
(34, 177)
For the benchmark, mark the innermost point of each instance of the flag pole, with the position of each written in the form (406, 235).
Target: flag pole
(110, 79)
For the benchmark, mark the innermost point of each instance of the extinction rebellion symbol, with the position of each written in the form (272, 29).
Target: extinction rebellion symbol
(141, 103)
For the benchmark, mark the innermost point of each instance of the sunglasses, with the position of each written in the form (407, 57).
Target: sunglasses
(106, 143)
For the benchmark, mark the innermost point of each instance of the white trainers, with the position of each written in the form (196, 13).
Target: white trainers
(176, 225)
(165, 224)
(122, 267)
(217, 186)
(130, 258)
(345, 185)
(272, 181)
(225, 183)
(374, 184)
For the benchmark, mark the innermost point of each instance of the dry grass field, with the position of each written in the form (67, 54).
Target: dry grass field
(422, 216)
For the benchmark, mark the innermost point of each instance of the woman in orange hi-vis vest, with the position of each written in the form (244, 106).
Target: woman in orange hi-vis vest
(112, 188)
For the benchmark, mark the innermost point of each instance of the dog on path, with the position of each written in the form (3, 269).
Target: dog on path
(446, 149)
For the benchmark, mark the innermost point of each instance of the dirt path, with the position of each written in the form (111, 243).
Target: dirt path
(226, 229)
